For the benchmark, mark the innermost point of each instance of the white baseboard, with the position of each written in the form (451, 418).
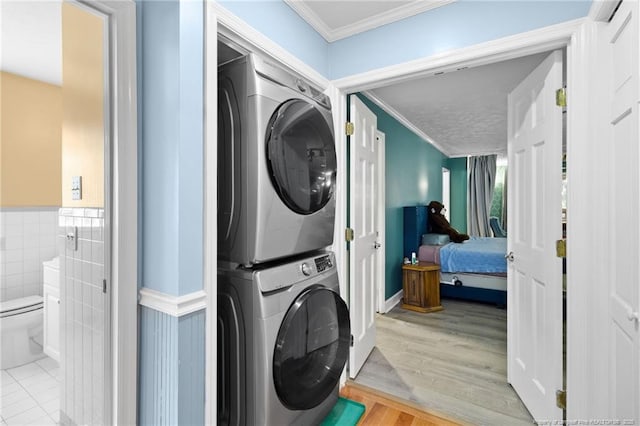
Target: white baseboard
(391, 302)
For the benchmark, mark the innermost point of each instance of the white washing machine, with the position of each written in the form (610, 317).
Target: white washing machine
(283, 341)
(276, 164)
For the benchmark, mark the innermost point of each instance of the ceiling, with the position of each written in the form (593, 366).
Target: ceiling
(336, 19)
(462, 112)
(31, 39)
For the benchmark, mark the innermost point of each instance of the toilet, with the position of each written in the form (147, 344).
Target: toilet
(30, 325)
(21, 323)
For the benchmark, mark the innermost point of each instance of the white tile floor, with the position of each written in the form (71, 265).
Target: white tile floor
(31, 394)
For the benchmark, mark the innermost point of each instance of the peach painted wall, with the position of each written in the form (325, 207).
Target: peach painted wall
(30, 142)
(83, 129)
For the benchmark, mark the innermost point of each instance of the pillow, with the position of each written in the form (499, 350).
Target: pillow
(435, 239)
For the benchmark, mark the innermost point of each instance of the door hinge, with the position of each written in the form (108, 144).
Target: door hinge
(561, 97)
(349, 128)
(561, 248)
(348, 234)
(351, 341)
(104, 286)
(561, 399)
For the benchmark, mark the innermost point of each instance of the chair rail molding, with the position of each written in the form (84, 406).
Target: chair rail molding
(176, 306)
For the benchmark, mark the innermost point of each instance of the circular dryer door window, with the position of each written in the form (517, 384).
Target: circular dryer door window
(311, 349)
(301, 156)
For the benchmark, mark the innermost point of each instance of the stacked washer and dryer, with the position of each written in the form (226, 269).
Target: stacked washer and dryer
(283, 329)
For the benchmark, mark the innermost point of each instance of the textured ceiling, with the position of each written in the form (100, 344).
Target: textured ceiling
(463, 112)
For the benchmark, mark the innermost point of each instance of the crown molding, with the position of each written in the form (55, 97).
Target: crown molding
(405, 122)
(410, 9)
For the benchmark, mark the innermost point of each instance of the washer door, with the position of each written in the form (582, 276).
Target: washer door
(301, 156)
(311, 349)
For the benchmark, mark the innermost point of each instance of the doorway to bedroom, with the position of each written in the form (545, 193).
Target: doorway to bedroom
(428, 357)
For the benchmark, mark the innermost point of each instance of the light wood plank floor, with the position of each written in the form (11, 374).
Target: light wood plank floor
(384, 409)
(453, 362)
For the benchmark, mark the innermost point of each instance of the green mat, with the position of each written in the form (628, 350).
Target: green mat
(345, 413)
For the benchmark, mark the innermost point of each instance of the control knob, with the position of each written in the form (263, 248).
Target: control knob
(306, 269)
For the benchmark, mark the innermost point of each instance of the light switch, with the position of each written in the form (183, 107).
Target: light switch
(76, 187)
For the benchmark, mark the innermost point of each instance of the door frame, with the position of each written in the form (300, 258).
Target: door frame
(574, 36)
(382, 250)
(123, 204)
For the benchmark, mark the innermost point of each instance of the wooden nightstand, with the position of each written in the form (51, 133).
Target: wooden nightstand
(421, 286)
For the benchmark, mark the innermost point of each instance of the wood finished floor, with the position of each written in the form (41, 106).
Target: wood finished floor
(453, 362)
(384, 409)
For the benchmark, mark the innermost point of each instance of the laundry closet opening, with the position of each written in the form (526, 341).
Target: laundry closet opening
(283, 327)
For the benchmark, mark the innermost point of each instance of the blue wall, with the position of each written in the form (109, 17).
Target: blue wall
(276, 20)
(171, 121)
(458, 207)
(170, 130)
(460, 24)
(413, 175)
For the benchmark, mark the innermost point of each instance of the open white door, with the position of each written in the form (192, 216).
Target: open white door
(534, 284)
(363, 221)
(620, 59)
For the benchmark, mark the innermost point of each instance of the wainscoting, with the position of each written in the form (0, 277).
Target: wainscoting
(27, 238)
(172, 359)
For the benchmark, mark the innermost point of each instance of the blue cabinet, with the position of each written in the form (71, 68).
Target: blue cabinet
(415, 225)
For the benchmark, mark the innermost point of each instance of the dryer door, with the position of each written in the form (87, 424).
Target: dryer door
(311, 349)
(301, 155)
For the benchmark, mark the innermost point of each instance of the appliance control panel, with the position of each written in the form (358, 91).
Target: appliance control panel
(323, 263)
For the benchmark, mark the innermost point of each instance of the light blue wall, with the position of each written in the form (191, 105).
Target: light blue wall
(170, 88)
(276, 20)
(171, 81)
(460, 24)
(413, 175)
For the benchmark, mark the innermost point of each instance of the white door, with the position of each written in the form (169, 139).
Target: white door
(363, 221)
(621, 58)
(534, 284)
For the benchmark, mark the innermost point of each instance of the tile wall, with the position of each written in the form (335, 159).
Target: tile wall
(27, 238)
(83, 316)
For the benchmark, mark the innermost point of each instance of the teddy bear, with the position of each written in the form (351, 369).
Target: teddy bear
(438, 224)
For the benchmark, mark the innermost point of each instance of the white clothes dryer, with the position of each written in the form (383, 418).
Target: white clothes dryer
(276, 164)
(283, 341)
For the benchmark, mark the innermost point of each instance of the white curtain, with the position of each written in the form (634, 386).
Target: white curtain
(482, 180)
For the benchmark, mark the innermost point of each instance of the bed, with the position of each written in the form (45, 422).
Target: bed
(473, 270)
